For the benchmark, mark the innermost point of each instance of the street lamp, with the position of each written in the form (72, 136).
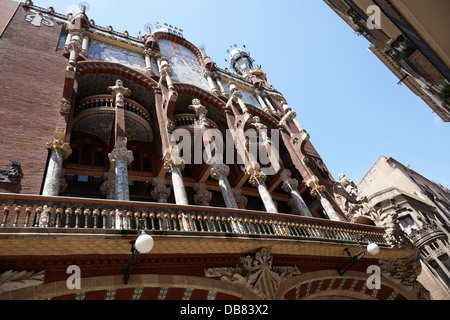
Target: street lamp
(372, 249)
(143, 244)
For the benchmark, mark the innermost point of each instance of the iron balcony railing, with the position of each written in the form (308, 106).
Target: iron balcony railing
(25, 211)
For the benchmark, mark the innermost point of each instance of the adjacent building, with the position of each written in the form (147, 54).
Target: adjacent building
(107, 136)
(421, 208)
(411, 38)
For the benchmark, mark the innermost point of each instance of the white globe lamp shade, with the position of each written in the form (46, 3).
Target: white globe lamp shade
(144, 243)
(373, 248)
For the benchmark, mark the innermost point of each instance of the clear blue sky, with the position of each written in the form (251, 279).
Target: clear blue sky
(346, 98)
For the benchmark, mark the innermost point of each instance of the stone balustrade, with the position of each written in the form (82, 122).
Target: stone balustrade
(108, 102)
(190, 120)
(26, 211)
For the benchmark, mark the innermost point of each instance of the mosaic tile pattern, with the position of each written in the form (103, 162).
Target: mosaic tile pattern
(137, 293)
(211, 295)
(162, 293)
(80, 296)
(184, 63)
(187, 294)
(110, 294)
(110, 53)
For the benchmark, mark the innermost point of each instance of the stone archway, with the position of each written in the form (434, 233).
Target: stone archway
(327, 284)
(140, 287)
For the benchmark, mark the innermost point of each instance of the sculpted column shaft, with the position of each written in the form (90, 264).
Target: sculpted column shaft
(85, 44)
(212, 86)
(221, 87)
(173, 166)
(60, 150)
(290, 186)
(261, 101)
(237, 96)
(319, 192)
(220, 172)
(257, 179)
(121, 158)
(166, 71)
(119, 92)
(75, 46)
(268, 103)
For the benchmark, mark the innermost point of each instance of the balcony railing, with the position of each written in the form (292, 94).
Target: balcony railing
(107, 101)
(24, 211)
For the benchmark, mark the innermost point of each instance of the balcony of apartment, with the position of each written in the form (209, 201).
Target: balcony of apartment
(41, 225)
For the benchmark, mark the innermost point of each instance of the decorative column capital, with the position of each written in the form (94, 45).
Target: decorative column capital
(108, 186)
(315, 192)
(61, 147)
(148, 53)
(173, 162)
(164, 67)
(62, 185)
(161, 192)
(256, 177)
(207, 73)
(121, 154)
(119, 91)
(241, 200)
(289, 184)
(203, 197)
(316, 187)
(219, 170)
(76, 40)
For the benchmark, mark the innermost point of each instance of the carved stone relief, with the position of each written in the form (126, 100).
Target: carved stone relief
(256, 274)
(11, 176)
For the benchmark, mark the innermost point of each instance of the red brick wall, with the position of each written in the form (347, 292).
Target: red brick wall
(7, 9)
(31, 84)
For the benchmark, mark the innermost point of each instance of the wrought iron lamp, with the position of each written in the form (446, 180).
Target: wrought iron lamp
(372, 248)
(143, 244)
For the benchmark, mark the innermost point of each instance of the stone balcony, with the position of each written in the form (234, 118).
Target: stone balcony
(94, 226)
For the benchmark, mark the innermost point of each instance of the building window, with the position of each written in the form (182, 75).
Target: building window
(445, 261)
(408, 224)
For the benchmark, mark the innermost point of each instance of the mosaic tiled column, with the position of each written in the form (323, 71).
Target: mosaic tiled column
(174, 167)
(257, 179)
(319, 192)
(220, 173)
(121, 158)
(60, 150)
(290, 186)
